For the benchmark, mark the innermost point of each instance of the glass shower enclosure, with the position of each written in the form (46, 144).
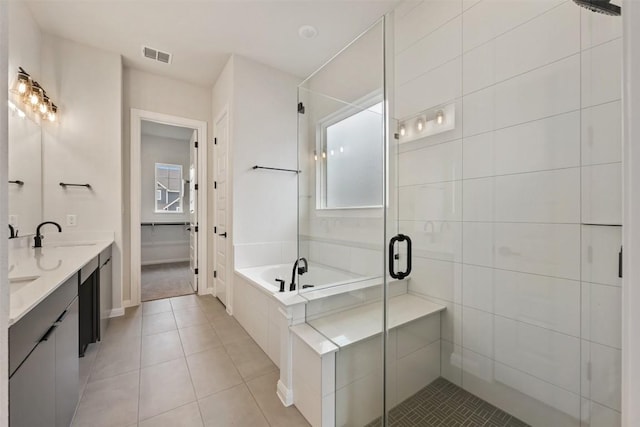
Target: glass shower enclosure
(460, 215)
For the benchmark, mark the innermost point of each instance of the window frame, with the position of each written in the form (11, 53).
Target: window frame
(155, 188)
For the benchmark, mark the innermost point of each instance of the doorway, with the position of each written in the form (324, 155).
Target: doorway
(168, 179)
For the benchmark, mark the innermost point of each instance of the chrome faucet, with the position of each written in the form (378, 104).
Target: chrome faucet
(37, 239)
(301, 271)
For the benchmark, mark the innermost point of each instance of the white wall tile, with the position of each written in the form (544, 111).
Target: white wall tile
(478, 243)
(491, 18)
(547, 91)
(602, 73)
(438, 86)
(436, 278)
(478, 156)
(479, 68)
(601, 416)
(430, 52)
(435, 202)
(450, 320)
(598, 28)
(606, 370)
(451, 362)
(549, 196)
(436, 163)
(600, 248)
(478, 197)
(477, 287)
(478, 331)
(549, 143)
(602, 314)
(548, 355)
(416, 335)
(256, 254)
(358, 360)
(602, 194)
(417, 370)
(548, 249)
(478, 110)
(602, 133)
(336, 256)
(422, 20)
(435, 239)
(540, 41)
(538, 300)
(360, 402)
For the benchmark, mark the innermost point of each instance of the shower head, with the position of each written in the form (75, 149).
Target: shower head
(600, 6)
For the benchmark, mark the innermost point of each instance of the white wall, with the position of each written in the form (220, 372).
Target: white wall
(4, 275)
(495, 206)
(85, 146)
(163, 243)
(149, 92)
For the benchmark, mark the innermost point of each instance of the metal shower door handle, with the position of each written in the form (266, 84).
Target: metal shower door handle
(393, 255)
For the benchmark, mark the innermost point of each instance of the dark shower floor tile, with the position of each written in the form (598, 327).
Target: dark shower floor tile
(444, 404)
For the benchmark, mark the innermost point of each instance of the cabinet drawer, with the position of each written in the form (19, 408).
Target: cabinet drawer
(105, 255)
(26, 333)
(88, 269)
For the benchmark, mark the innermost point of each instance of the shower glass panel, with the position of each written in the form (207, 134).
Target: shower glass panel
(342, 207)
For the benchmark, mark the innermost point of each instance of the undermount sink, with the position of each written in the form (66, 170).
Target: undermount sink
(22, 280)
(72, 245)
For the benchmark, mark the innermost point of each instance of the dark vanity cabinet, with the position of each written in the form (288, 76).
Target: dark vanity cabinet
(43, 361)
(106, 285)
(89, 298)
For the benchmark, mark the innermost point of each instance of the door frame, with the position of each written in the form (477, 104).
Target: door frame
(137, 116)
(225, 111)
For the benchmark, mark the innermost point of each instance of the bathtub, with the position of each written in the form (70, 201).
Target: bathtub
(319, 276)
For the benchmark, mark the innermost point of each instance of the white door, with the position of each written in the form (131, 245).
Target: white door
(220, 209)
(193, 210)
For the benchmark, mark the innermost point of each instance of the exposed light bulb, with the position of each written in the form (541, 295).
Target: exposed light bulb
(324, 155)
(440, 117)
(43, 108)
(403, 131)
(420, 125)
(52, 116)
(342, 149)
(22, 88)
(315, 156)
(33, 98)
(332, 152)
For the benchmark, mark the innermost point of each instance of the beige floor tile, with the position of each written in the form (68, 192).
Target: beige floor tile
(164, 387)
(212, 371)
(155, 307)
(232, 407)
(190, 316)
(123, 327)
(162, 347)
(249, 358)
(263, 390)
(156, 323)
(184, 416)
(109, 402)
(184, 301)
(198, 338)
(86, 365)
(116, 357)
(228, 329)
(134, 311)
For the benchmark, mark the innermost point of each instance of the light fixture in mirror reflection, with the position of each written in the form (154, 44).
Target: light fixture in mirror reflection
(427, 123)
(33, 97)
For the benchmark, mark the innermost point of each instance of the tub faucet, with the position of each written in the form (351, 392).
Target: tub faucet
(12, 232)
(37, 240)
(301, 271)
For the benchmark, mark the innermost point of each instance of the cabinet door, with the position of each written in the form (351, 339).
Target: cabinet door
(106, 304)
(67, 366)
(32, 391)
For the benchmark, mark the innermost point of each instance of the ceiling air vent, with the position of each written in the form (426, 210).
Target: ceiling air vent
(156, 55)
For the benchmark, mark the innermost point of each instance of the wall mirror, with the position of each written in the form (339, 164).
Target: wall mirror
(25, 171)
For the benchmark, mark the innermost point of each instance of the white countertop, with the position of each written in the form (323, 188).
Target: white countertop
(356, 324)
(50, 265)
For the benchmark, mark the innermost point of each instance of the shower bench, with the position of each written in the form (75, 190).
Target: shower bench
(337, 359)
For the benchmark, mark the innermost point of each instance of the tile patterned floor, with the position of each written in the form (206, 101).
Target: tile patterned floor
(443, 403)
(165, 280)
(179, 362)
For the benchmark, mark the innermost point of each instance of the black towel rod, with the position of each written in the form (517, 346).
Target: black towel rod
(276, 169)
(17, 182)
(66, 184)
(153, 224)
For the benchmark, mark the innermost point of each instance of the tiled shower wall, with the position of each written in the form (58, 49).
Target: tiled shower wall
(498, 207)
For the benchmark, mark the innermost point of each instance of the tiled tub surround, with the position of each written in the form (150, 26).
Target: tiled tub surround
(499, 208)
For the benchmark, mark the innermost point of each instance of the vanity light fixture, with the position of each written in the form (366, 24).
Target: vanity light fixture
(440, 117)
(324, 155)
(403, 131)
(315, 155)
(33, 95)
(420, 125)
(427, 123)
(342, 149)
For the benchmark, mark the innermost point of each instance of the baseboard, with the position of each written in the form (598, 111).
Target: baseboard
(285, 395)
(117, 312)
(165, 261)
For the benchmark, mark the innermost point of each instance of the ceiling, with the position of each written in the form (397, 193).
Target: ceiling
(202, 35)
(165, 131)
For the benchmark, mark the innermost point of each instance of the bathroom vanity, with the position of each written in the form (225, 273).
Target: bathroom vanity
(51, 289)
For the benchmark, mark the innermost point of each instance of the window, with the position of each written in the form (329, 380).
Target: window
(352, 159)
(169, 188)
